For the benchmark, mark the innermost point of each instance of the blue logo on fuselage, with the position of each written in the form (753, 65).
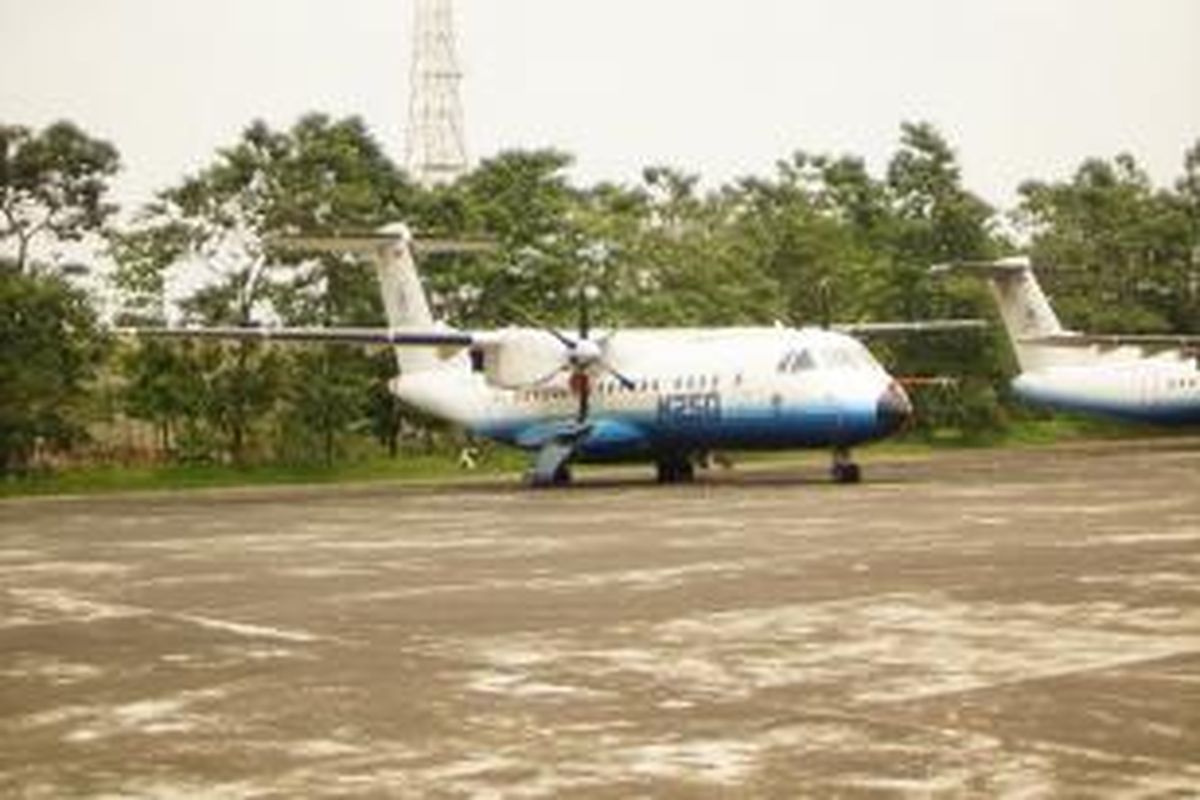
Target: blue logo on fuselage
(698, 408)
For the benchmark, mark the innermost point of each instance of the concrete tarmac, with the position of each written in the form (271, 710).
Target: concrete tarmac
(1023, 623)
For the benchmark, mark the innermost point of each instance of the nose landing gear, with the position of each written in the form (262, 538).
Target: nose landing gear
(844, 469)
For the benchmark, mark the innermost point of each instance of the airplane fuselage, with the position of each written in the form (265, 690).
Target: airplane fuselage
(1137, 377)
(692, 391)
(1163, 391)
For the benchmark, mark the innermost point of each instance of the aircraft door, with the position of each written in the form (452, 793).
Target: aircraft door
(1150, 388)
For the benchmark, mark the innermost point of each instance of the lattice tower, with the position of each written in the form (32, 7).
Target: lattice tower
(436, 147)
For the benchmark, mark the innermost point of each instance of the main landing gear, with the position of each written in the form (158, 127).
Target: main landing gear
(552, 465)
(676, 470)
(844, 470)
(561, 476)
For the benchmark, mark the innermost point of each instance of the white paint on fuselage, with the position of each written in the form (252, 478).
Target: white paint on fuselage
(1161, 388)
(741, 365)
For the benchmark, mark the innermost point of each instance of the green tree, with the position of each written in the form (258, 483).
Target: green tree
(320, 175)
(936, 219)
(523, 201)
(50, 347)
(690, 266)
(52, 184)
(1119, 254)
(1187, 188)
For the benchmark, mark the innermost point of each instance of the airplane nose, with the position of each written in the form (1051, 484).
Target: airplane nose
(893, 410)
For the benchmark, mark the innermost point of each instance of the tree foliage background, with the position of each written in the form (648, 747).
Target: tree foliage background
(819, 238)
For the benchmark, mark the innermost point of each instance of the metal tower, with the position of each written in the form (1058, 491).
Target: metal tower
(436, 147)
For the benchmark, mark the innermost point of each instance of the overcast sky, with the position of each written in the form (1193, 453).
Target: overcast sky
(1022, 88)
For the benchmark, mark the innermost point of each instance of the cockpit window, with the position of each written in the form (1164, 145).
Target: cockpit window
(842, 358)
(797, 361)
(847, 357)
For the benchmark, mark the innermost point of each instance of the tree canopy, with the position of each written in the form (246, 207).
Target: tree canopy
(820, 237)
(52, 184)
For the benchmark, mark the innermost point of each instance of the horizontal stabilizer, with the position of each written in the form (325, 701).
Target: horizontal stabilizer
(894, 328)
(372, 242)
(375, 336)
(1150, 340)
(1023, 306)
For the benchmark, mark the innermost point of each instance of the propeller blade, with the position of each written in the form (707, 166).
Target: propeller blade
(628, 383)
(533, 322)
(567, 341)
(534, 384)
(585, 316)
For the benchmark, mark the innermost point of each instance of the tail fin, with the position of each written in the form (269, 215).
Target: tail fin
(404, 302)
(1024, 308)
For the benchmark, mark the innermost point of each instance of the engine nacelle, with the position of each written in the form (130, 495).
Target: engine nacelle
(518, 357)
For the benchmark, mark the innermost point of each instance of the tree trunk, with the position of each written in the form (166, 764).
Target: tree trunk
(237, 422)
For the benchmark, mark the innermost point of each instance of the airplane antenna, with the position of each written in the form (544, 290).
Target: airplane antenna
(436, 143)
(825, 298)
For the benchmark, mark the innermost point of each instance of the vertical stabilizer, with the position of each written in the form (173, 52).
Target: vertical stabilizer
(1023, 306)
(404, 301)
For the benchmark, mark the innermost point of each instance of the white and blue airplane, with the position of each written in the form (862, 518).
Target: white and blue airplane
(670, 396)
(1142, 378)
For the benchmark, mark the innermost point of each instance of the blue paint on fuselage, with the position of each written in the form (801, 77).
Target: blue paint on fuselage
(1179, 412)
(618, 435)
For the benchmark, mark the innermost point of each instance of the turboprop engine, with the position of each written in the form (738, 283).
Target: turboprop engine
(522, 358)
(517, 358)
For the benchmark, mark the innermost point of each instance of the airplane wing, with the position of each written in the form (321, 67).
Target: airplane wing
(376, 336)
(1151, 340)
(371, 242)
(868, 329)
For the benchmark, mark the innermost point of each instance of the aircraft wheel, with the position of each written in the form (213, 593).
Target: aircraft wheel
(844, 469)
(676, 471)
(847, 473)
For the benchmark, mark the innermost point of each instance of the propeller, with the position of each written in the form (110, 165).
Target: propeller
(585, 356)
